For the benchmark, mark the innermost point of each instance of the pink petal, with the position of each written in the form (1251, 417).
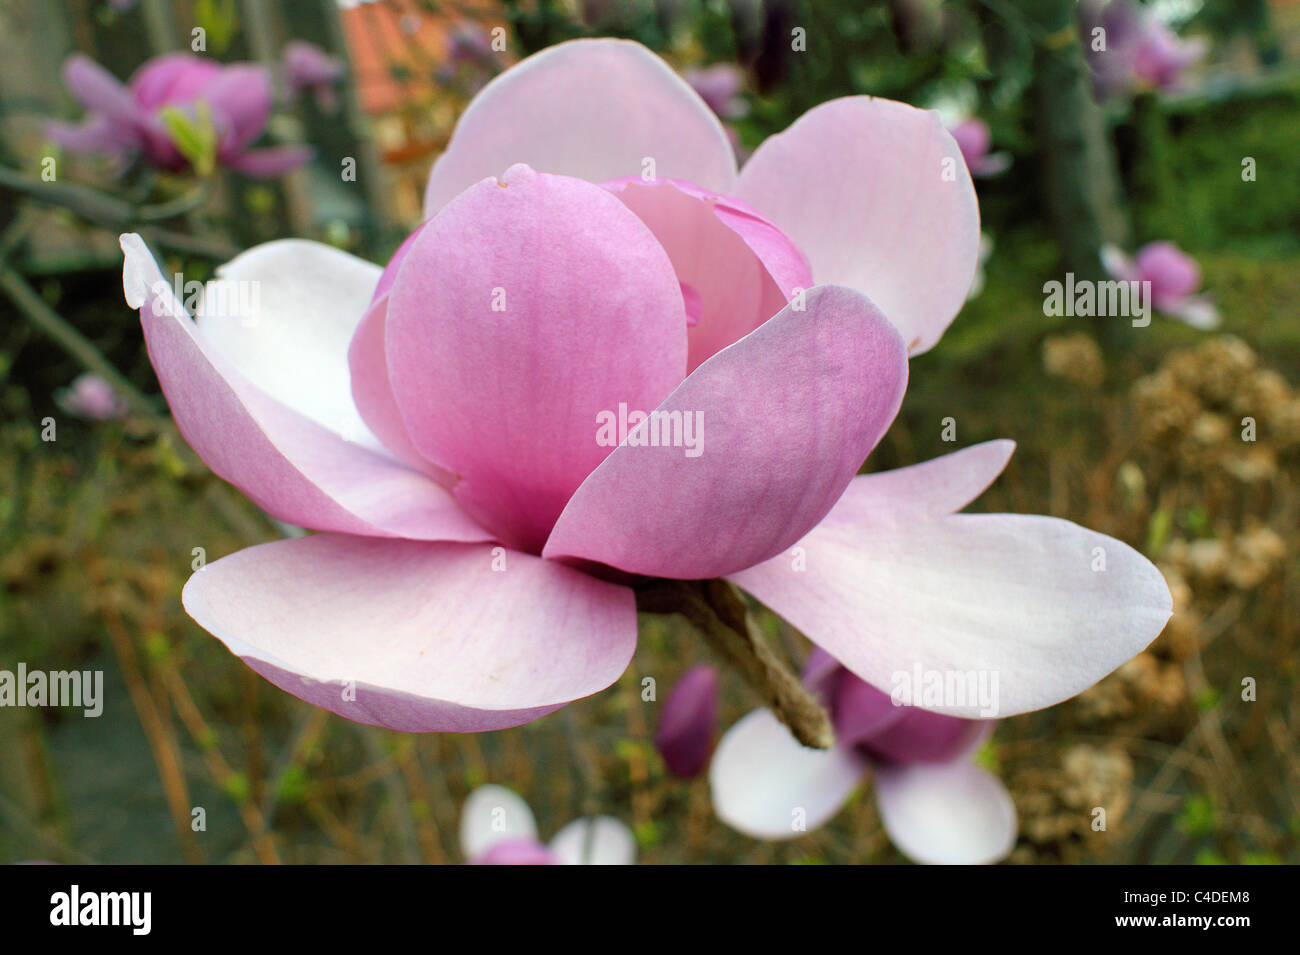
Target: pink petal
(788, 414)
(270, 162)
(684, 736)
(1173, 274)
(517, 852)
(919, 736)
(430, 637)
(888, 590)
(594, 109)
(287, 464)
(172, 79)
(742, 267)
(240, 100)
(766, 785)
(99, 91)
(588, 314)
(861, 712)
(946, 813)
(99, 134)
(373, 393)
(877, 195)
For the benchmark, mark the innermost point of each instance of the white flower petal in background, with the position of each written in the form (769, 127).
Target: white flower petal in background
(603, 840)
(493, 814)
(767, 785)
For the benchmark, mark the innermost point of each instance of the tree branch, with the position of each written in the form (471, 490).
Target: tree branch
(718, 611)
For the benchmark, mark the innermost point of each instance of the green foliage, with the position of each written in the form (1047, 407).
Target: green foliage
(1199, 816)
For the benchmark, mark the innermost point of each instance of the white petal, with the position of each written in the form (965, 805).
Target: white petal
(283, 313)
(767, 785)
(946, 813)
(603, 840)
(592, 109)
(493, 814)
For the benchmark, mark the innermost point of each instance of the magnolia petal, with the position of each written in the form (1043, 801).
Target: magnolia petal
(99, 91)
(286, 463)
(284, 313)
(1016, 596)
(594, 109)
(687, 722)
(517, 852)
(878, 197)
(1196, 311)
(602, 840)
(741, 267)
(934, 488)
(373, 393)
(270, 162)
(417, 636)
(555, 305)
(788, 414)
(766, 785)
(946, 813)
(494, 815)
(98, 134)
(919, 736)
(240, 99)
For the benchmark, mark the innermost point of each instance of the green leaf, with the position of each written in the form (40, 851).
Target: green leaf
(194, 136)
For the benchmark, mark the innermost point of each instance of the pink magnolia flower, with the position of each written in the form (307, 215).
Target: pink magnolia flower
(973, 139)
(936, 805)
(439, 420)
(497, 828)
(126, 118)
(1174, 277)
(1138, 49)
(308, 67)
(686, 726)
(91, 397)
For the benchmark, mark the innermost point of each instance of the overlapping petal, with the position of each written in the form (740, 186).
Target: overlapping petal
(594, 109)
(417, 636)
(742, 268)
(284, 313)
(878, 197)
(518, 315)
(287, 464)
(788, 414)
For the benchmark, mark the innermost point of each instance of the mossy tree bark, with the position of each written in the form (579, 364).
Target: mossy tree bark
(1081, 178)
